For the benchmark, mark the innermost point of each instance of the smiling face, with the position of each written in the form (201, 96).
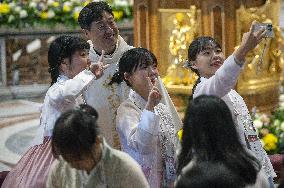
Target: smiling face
(103, 33)
(77, 63)
(208, 60)
(138, 78)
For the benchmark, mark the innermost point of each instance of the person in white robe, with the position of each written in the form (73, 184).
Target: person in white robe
(97, 21)
(219, 77)
(145, 126)
(68, 60)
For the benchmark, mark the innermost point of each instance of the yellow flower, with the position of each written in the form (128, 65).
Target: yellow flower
(66, 8)
(270, 141)
(44, 15)
(180, 134)
(76, 15)
(85, 3)
(4, 8)
(118, 14)
(55, 4)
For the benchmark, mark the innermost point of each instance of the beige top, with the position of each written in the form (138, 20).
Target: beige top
(116, 169)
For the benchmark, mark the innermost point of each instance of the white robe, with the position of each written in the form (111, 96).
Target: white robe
(63, 95)
(221, 84)
(139, 131)
(106, 98)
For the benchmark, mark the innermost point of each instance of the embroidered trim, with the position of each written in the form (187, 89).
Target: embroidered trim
(244, 118)
(168, 138)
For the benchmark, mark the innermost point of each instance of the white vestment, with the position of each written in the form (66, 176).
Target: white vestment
(106, 98)
(150, 138)
(221, 84)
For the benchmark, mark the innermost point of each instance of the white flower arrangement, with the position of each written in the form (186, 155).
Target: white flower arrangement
(33, 13)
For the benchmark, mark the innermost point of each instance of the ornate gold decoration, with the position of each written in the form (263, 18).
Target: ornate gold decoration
(114, 102)
(184, 30)
(261, 80)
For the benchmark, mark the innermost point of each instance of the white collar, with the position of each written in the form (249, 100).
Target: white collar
(139, 101)
(120, 42)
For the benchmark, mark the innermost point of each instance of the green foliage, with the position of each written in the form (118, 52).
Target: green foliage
(37, 13)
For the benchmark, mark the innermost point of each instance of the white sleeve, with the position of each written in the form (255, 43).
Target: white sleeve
(139, 131)
(222, 82)
(66, 93)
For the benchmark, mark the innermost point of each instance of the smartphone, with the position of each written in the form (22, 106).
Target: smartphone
(268, 27)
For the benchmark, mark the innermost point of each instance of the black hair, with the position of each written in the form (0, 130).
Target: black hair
(75, 132)
(61, 48)
(197, 46)
(93, 12)
(130, 61)
(206, 174)
(209, 134)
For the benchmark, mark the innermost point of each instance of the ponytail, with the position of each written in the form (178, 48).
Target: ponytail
(116, 78)
(54, 74)
(190, 98)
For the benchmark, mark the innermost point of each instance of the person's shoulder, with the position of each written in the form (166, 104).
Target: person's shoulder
(57, 86)
(122, 169)
(56, 169)
(125, 162)
(126, 104)
(53, 87)
(260, 182)
(59, 164)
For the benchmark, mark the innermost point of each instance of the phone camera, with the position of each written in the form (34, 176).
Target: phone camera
(269, 27)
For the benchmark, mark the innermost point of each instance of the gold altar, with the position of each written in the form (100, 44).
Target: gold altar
(167, 27)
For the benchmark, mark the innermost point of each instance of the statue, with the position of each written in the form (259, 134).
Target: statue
(182, 34)
(260, 81)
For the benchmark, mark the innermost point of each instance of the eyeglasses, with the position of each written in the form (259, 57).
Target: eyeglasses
(105, 25)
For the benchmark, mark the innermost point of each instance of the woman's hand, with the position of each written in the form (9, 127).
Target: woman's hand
(249, 41)
(98, 68)
(154, 96)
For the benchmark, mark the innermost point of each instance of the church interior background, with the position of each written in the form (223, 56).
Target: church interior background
(165, 27)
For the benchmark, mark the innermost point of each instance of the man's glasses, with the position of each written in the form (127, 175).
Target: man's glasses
(105, 25)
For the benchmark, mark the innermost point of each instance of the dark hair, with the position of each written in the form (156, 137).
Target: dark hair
(209, 134)
(75, 132)
(206, 174)
(93, 12)
(130, 61)
(195, 47)
(63, 47)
